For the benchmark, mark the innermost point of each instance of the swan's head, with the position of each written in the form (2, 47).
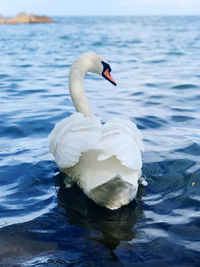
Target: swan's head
(94, 63)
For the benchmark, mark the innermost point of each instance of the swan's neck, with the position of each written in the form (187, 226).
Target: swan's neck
(77, 92)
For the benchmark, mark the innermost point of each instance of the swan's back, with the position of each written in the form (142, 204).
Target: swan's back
(104, 160)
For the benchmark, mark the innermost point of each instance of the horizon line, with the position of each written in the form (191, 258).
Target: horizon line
(108, 15)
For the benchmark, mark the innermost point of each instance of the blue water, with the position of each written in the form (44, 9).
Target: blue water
(155, 62)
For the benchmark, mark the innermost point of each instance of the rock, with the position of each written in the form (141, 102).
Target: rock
(24, 18)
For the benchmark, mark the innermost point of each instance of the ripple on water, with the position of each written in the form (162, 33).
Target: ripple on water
(33, 91)
(192, 149)
(175, 53)
(152, 103)
(150, 85)
(150, 122)
(12, 86)
(65, 37)
(182, 109)
(156, 61)
(3, 76)
(97, 43)
(181, 118)
(169, 174)
(184, 86)
(137, 93)
(26, 128)
(27, 189)
(11, 131)
(16, 80)
(171, 204)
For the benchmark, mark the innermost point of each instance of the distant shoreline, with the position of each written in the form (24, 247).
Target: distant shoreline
(24, 18)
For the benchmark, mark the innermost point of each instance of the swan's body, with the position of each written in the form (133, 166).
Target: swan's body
(104, 160)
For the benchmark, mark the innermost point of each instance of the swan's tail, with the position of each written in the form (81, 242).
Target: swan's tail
(113, 194)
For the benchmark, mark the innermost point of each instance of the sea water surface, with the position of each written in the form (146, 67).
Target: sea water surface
(156, 64)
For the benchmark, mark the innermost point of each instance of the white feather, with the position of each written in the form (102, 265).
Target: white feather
(73, 136)
(122, 139)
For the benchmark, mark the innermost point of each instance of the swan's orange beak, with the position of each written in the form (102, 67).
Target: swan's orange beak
(107, 76)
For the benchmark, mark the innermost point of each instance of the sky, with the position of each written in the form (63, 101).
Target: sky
(100, 7)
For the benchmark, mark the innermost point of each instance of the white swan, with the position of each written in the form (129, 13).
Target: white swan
(104, 160)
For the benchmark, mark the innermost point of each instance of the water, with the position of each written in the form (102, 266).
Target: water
(155, 62)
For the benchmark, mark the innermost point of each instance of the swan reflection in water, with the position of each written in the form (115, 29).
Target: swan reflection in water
(113, 226)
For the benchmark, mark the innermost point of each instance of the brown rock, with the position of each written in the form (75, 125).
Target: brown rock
(24, 18)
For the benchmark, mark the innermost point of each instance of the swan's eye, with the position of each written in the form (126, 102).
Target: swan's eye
(106, 66)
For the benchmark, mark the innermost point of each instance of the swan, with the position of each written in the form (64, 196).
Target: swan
(103, 159)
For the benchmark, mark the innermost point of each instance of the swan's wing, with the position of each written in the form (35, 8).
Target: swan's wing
(125, 126)
(72, 136)
(122, 139)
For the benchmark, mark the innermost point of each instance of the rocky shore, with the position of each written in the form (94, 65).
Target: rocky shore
(24, 18)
